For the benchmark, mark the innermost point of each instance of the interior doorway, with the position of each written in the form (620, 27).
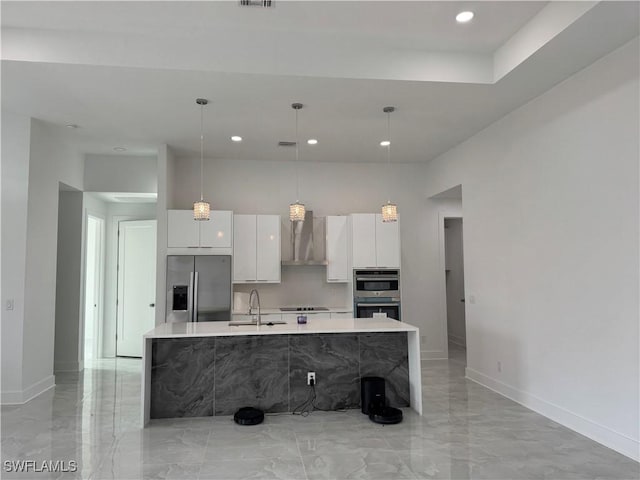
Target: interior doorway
(94, 286)
(136, 285)
(454, 284)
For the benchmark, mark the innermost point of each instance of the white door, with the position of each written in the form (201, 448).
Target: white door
(93, 286)
(136, 285)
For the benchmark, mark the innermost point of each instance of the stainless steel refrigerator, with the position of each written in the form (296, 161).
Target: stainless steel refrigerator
(198, 288)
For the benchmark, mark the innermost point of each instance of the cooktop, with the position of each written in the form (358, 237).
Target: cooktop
(303, 309)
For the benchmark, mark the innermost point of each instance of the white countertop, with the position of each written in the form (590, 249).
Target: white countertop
(267, 311)
(325, 325)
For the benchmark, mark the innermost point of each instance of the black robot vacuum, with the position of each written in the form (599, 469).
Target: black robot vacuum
(374, 402)
(248, 416)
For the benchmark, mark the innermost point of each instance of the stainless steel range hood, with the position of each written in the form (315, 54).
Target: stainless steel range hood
(302, 242)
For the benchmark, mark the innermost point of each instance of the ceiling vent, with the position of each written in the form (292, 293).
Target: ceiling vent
(257, 3)
(286, 144)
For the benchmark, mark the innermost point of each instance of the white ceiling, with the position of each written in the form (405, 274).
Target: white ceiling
(132, 78)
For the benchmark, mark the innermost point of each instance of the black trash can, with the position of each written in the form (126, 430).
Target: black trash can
(372, 394)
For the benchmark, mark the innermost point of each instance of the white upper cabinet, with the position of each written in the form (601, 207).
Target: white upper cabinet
(185, 232)
(256, 248)
(387, 243)
(268, 248)
(244, 248)
(375, 244)
(337, 249)
(363, 238)
(217, 232)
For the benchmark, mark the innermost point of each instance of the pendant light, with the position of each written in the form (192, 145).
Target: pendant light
(297, 210)
(201, 208)
(389, 210)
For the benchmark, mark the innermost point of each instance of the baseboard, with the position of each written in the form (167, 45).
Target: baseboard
(67, 366)
(20, 397)
(610, 438)
(433, 355)
(457, 340)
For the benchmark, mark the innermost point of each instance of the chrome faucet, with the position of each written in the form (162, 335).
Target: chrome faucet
(253, 293)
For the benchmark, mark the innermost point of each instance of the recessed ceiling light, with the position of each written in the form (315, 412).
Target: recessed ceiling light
(236, 138)
(312, 141)
(464, 17)
(71, 125)
(120, 149)
(385, 143)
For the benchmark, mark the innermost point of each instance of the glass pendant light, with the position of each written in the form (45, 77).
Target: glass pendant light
(389, 210)
(201, 209)
(297, 210)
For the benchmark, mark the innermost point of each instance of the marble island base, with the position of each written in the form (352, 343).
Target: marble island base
(199, 376)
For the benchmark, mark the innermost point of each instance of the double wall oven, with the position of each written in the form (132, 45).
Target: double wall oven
(376, 291)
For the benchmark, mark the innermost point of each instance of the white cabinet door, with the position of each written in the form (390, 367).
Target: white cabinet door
(337, 249)
(182, 229)
(363, 240)
(268, 248)
(341, 315)
(387, 244)
(244, 248)
(217, 232)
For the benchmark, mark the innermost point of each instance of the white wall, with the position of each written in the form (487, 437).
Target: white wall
(120, 173)
(69, 276)
(166, 173)
(551, 241)
(16, 130)
(454, 265)
(52, 161)
(117, 212)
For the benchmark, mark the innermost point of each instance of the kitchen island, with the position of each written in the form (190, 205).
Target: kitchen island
(212, 368)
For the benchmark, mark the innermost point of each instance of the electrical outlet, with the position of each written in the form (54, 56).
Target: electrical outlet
(499, 366)
(9, 305)
(311, 378)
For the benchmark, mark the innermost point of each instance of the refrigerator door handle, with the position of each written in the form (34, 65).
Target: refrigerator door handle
(195, 297)
(190, 298)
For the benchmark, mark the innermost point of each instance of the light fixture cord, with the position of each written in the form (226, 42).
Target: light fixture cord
(201, 151)
(389, 157)
(297, 163)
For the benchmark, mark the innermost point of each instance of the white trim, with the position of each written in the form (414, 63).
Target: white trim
(442, 287)
(595, 431)
(67, 366)
(38, 388)
(457, 340)
(434, 355)
(98, 326)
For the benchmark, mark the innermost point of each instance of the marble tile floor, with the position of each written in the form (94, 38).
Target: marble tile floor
(467, 432)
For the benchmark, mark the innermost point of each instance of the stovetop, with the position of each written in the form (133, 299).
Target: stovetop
(304, 309)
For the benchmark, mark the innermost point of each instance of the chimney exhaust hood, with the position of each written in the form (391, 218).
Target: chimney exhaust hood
(302, 242)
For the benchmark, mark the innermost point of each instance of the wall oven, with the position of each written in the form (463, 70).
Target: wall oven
(376, 291)
(376, 283)
(365, 308)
